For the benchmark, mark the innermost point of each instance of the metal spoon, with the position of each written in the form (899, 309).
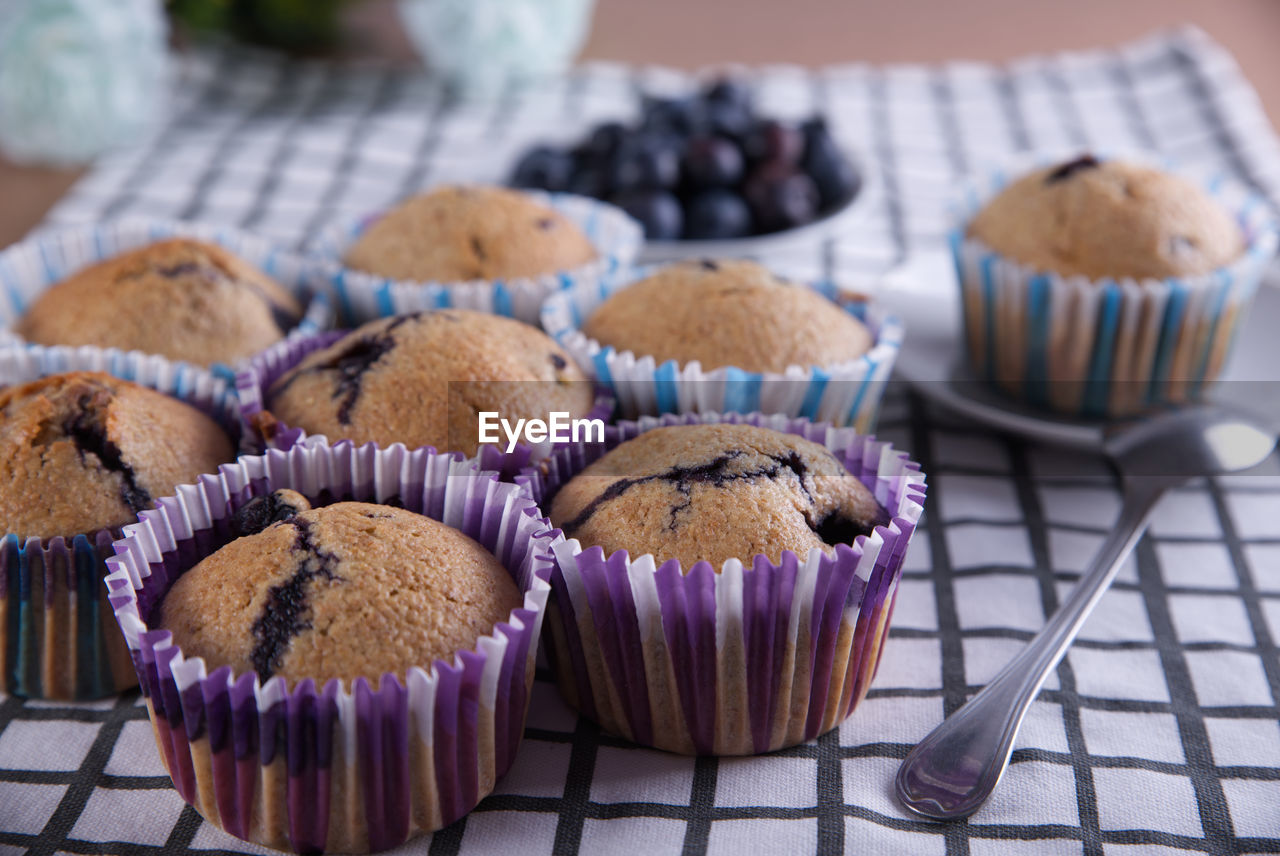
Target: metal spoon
(956, 767)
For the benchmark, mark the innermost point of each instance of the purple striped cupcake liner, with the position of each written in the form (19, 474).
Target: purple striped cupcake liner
(847, 393)
(362, 296)
(1107, 347)
(255, 380)
(752, 659)
(30, 267)
(357, 767)
(58, 639)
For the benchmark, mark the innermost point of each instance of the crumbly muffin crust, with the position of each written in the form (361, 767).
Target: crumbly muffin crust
(180, 298)
(714, 492)
(469, 232)
(421, 380)
(727, 313)
(84, 451)
(1094, 218)
(343, 591)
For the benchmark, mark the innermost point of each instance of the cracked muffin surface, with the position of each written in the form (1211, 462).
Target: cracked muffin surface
(727, 313)
(421, 379)
(1108, 218)
(341, 591)
(84, 451)
(715, 492)
(469, 232)
(180, 298)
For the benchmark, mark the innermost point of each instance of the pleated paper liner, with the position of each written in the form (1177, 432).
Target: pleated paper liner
(58, 639)
(1108, 347)
(757, 657)
(362, 296)
(843, 394)
(255, 380)
(31, 266)
(341, 768)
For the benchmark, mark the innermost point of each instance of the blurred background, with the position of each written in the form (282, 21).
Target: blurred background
(78, 77)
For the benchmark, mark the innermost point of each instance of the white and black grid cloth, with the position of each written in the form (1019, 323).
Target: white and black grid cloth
(1158, 733)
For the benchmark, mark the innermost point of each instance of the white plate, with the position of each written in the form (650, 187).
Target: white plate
(838, 220)
(924, 295)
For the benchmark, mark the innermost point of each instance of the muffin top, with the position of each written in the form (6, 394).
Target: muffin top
(180, 298)
(1094, 218)
(715, 492)
(344, 591)
(727, 313)
(421, 380)
(469, 232)
(85, 451)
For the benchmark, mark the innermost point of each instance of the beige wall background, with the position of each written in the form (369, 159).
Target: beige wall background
(692, 33)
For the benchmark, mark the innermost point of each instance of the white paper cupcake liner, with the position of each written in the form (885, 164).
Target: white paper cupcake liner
(842, 394)
(57, 637)
(1107, 347)
(29, 267)
(757, 657)
(263, 370)
(362, 296)
(339, 768)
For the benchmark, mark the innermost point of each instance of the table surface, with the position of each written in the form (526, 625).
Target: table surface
(815, 32)
(1158, 732)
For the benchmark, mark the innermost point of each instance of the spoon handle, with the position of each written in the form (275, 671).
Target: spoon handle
(955, 768)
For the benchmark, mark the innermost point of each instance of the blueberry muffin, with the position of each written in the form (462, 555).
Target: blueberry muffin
(180, 298)
(714, 492)
(85, 451)
(421, 380)
(727, 313)
(344, 591)
(1108, 218)
(456, 233)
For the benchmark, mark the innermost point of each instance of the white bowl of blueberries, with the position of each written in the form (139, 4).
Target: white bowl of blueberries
(708, 177)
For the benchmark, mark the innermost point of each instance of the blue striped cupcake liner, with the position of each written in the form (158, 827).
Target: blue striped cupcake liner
(1108, 347)
(842, 394)
(362, 296)
(29, 267)
(58, 639)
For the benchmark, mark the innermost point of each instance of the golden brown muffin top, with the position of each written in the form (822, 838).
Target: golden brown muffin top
(344, 591)
(1094, 218)
(84, 451)
(716, 492)
(470, 232)
(421, 380)
(727, 313)
(180, 298)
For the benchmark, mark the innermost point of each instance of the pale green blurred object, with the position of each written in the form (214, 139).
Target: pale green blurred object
(78, 77)
(480, 46)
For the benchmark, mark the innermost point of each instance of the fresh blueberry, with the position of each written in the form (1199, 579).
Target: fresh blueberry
(717, 214)
(642, 163)
(770, 141)
(830, 170)
(603, 141)
(729, 119)
(680, 116)
(729, 90)
(657, 210)
(543, 168)
(712, 162)
(589, 181)
(780, 198)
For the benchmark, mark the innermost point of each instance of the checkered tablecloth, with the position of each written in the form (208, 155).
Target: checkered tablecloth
(1159, 731)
